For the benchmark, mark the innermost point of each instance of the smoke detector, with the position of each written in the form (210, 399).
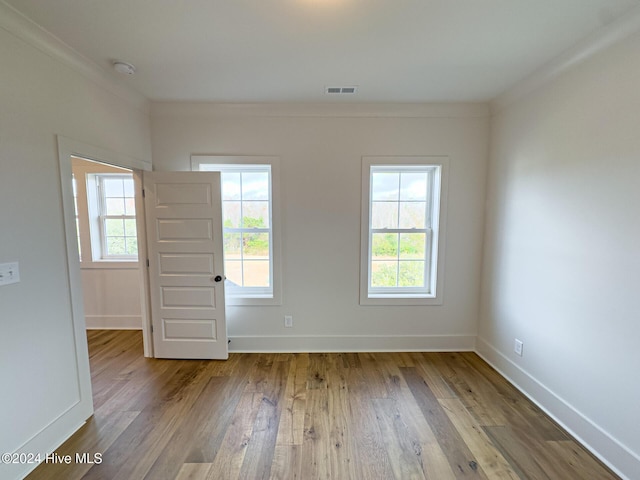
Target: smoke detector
(124, 68)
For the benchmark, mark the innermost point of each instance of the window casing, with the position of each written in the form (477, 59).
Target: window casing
(249, 215)
(401, 231)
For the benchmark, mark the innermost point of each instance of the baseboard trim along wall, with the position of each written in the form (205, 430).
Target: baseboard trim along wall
(113, 322)
(610, 451)
(351, 343)
(47, 440)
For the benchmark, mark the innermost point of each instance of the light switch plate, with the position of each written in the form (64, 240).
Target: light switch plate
(9, 273)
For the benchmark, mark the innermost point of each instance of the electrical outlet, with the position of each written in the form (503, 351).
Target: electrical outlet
(518, 347)
(9, 273)
(288, 321)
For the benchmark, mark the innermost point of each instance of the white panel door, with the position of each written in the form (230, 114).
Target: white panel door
(186, 273)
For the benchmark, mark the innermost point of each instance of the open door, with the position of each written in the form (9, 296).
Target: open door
(186, 273)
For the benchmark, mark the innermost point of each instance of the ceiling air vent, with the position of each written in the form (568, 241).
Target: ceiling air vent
(340, 90)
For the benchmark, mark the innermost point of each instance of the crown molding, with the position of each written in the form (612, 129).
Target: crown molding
(33, 34)
(329, 110)
(599, 40)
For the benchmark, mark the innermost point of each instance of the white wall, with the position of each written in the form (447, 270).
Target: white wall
(320, 150)
(111, 290)
(42, 381)
(562, 258)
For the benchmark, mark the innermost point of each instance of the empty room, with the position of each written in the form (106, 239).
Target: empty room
(339, 239)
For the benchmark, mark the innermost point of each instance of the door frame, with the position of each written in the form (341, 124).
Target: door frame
(66, 149)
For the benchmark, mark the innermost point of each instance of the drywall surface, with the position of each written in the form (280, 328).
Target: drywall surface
(320, 149)
(41, 98)
(562, 254)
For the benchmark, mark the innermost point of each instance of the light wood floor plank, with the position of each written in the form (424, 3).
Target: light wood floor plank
(193, 471)
(403, 448)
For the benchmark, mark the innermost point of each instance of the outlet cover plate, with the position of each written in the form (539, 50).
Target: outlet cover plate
(517, 347)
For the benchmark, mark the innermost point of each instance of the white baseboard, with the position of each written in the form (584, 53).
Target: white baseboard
(351, 343)
(47, 440)
(113, 322)
(610, 451)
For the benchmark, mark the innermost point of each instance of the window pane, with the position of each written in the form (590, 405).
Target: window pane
(255, 245)
(232, 242)
(128, 187)
(412, 246)
(115, 206)
(231, 214)
(384, 246)
(411, 274)
(413, 186)
(233, 272)
(256, 273)
(255, 186)
(130, 227)
(231, 186)
(255, 214)
(385, 185)
(384, 215)
(130, 206)
(132, 246)
(114, 227)
(113, 187)
(412, 214)
(384, 274)
(116, 246)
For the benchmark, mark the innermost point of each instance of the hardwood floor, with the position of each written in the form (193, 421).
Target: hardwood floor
(306, 416)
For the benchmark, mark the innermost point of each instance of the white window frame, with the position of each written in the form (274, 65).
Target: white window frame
(432, 294)
(74, 183)
(229, 163)
(97, 216)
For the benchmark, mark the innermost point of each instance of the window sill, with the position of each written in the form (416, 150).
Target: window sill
(249, 301)
(110, 264)
(405, 299)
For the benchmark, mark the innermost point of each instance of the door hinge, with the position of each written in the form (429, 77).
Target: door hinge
(143, 194)
(152, 328)
(147, 263)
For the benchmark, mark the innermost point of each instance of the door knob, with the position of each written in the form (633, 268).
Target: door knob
(218, 278)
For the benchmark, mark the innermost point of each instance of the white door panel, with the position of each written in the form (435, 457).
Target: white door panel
(184, 236)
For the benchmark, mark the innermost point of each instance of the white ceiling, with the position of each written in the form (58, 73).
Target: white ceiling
(290, 50)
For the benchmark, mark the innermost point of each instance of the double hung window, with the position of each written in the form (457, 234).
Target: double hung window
(401, 227)
(249, 226)
(116, 216)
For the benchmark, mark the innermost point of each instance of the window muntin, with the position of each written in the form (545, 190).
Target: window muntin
(116, 216)
(400, 230)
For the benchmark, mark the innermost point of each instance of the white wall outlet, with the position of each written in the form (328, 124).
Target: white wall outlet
(288, 321)
(517, 347)
(9, 273)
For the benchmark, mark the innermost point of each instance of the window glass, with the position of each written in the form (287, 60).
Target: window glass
(401, 230)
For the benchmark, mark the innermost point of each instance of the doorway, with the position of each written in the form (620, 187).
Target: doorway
(180, 277)
(104, 198)
(70, 151)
